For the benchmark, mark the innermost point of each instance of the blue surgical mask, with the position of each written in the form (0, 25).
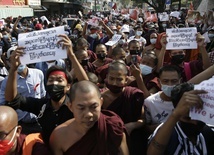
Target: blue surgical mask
(145, 70)
(167, 89)
(94, 36)
(153, 41)
(211, 35)
(139, 33)
(21, 68)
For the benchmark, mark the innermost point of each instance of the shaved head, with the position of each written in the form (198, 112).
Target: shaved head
(8, 117)
(118, 65)
(83, 87)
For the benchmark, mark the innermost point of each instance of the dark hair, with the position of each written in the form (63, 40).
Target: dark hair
(132, 42)
(170, 68)
(58, 68)
(116, 65)
(83, 87)
(179, 90)
(117, 50)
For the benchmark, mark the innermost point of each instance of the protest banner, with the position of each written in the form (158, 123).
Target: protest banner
(114, 40)
(163, 16)
(181, 38)
(206, 114)
(42, 45)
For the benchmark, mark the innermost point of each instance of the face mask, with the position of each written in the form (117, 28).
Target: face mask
(5, 36)
(192, 129)
(56, 92)
(84, 62)
(145, 70)
(211, 36)
(134, 52)
(177, 59)
(167, 89)
(101, 56)
(21, 68)
(94, 36)
(138, 33)
(153, 41)
(6, 145)
(114, 89)
(164, 25)
(115, 32)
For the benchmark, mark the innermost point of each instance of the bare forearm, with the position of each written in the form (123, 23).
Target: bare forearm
(142, 86)
(205, 57)
(11, 86)
(161, 59)
(161, 139)
(78, 70)
(108, 31)
(206, 74)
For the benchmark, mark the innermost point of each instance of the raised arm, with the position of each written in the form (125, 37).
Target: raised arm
(160, 141)
(203, 51)
(11, 86)
(205, 75)
(78, 70)
(162, 53)
(109, 32)
(16, 23)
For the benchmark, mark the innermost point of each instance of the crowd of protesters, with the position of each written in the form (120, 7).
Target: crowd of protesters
(133, 97)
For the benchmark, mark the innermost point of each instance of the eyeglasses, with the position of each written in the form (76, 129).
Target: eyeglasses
(3, 134)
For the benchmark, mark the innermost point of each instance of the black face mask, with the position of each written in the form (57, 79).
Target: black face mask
(56, 92)
(114, 89)
(177, 59)
(101, 56)
(84, 62)
(134, 52)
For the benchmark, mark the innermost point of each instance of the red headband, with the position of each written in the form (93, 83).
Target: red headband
(59, 73)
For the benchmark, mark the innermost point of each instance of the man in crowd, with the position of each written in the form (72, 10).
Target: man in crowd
(11, 139)
(51, 112)
(179, 134)
(91, 131)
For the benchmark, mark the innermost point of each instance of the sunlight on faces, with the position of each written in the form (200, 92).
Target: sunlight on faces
(86, 108)
(169, 78)
(101, 49)
(81, 55)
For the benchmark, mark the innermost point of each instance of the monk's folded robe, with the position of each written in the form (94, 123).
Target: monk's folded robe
(104, 138)
(128, 105)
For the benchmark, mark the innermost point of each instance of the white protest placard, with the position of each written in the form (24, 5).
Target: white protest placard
(181, 38)
(163, 16)
(43, 18)
(114, 40)
(1, 23)
(207, 113)
(42, 45)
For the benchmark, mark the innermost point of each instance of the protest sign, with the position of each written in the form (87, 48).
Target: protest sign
(163, 16)
(175, 14)
(133, 14)
(181, 38)
(42, 45)
(207, 113)
(1, 23)
(43, 18)
(114, 40)
(94, 21)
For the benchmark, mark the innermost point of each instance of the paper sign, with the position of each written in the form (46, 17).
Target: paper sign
(163, 17)
(175, 14)
(43, 18)
(42, 45)
(207, 113)
(94, 21)
(181, 38)
(114, 40)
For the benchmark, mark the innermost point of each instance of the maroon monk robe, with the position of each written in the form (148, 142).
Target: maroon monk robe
(20, 142)
(128, 105)
(104, 138)
(92, 56)
(89, 68)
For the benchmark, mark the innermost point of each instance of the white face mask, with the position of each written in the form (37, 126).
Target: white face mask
(139, 33)
(167, 89)
(94, 36)
(211, 35)
(153, 41)
(145, 70)
(164, 25)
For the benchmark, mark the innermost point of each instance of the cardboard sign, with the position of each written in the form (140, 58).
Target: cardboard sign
(181, 38)
(114, 40)
(163, 16)
(207, 113)
(42, 45)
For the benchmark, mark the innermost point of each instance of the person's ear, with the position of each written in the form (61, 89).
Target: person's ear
(18, 131)
(69, 104)
(68, 87)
